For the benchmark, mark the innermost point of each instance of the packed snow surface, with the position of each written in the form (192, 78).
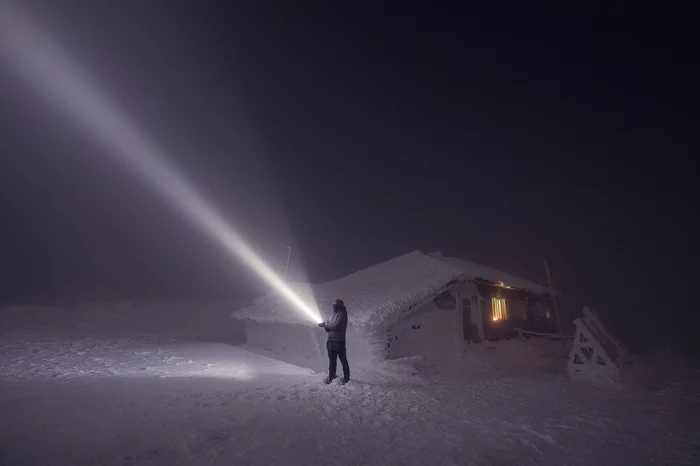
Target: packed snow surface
(119, 384)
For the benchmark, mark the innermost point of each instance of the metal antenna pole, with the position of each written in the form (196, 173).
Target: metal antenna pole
(554, 301)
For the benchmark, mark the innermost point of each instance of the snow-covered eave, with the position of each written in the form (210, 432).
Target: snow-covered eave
(418, 303)
(540, 291)
(415, 304)
(493, 276)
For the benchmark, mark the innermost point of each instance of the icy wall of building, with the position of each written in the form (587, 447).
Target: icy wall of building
(433, 333)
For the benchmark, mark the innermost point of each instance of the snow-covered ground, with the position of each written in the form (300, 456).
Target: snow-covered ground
(167, 384)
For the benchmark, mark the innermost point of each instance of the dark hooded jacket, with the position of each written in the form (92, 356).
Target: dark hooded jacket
(337, 324)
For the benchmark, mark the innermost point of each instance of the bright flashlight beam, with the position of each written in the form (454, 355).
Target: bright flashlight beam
(43, 63)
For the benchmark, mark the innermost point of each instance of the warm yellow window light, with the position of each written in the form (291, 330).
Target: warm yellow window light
(498, 309)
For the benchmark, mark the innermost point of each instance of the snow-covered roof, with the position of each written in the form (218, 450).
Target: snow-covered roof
(476, 271)
(377, 295)
(372, 295)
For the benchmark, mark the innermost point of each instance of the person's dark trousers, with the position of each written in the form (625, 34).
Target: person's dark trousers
(336, 349)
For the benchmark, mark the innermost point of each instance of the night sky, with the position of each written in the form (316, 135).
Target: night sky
(358, 132)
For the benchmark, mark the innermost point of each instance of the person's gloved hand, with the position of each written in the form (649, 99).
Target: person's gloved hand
(322, 324)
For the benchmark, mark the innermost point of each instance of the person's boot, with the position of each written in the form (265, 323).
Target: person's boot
(346, 371)
(328, 380)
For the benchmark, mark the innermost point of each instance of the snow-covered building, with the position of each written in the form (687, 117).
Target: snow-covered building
(413, 305)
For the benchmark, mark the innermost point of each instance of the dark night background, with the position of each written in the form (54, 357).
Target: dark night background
(360, 132)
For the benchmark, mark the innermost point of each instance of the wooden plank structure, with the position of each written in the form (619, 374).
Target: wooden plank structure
(596, 356)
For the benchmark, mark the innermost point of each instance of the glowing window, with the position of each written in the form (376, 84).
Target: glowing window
(498, 309)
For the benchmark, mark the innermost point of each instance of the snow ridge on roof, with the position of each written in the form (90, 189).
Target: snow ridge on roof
(473, 270)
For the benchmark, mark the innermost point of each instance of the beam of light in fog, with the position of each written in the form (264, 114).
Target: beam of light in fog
(44, 64)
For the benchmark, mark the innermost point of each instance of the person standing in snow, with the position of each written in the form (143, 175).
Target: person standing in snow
(335, 327)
